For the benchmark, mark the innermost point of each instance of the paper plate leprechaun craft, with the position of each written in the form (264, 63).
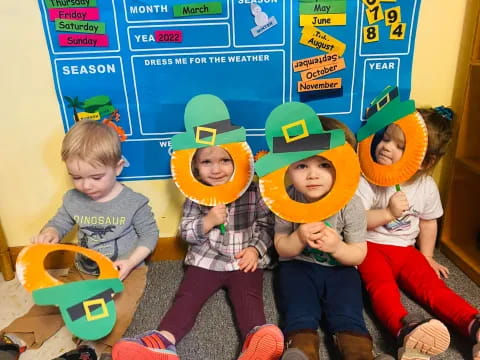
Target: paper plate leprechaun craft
(384, 110)
(86, 306)
(207, 123)
(294, 133)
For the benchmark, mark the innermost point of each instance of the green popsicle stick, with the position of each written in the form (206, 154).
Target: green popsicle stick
(222, 228)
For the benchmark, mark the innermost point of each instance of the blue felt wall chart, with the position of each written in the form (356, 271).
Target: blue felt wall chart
(135, 64)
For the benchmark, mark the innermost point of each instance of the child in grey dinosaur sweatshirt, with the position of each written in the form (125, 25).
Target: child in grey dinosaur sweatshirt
(112, 219)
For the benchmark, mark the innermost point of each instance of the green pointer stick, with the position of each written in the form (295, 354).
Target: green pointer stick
(222, 228)
(397, 187)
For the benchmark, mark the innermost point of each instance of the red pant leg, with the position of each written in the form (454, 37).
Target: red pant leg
(420, 280)
(378, 274)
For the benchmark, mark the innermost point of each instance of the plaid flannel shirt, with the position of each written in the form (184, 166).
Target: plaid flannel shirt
(249, 223)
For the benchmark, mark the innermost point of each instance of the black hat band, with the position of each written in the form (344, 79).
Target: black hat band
(381, 103)
(217, 127)
(77, 311)
(312, 142)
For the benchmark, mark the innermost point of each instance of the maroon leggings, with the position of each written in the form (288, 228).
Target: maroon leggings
(245, 291)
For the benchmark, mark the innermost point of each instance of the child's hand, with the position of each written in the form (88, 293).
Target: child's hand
(439, 269)
(46, 236)
(217, 215)
(124, 266)
(247, 259)
(326, 240)
(308, 232)
(397, 204)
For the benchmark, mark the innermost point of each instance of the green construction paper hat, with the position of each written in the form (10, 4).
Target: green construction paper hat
(207, 123)
(86, 306)
(385, 109)
(293, 133)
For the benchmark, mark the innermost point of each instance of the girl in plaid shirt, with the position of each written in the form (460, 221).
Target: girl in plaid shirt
(233, 259)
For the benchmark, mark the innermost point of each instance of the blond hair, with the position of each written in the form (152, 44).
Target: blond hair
(93, 142)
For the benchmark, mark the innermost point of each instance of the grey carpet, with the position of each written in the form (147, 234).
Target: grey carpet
(214, 336)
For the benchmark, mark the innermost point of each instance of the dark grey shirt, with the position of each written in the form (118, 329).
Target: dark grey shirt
(350, 223)
(114, 228)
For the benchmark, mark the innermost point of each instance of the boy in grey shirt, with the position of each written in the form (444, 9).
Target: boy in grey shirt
(320, 231)
(116, 228)
(112, 219)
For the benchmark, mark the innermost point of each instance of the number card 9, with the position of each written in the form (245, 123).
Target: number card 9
(393, 15)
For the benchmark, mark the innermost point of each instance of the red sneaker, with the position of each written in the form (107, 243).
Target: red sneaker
(150, 345)
(263, 343)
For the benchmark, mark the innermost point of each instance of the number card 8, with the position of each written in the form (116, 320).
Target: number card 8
(370, 34)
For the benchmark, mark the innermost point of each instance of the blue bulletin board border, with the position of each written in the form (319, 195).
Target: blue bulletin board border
(151, 81)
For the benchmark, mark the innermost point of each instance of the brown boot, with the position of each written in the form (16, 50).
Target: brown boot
(302, 345)
(354, 346)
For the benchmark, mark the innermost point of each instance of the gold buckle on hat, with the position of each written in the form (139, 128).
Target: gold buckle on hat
(206, 129)
(289, 138)
(88, 314)
(380, 106)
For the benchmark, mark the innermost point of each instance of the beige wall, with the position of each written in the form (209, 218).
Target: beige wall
(32, 177)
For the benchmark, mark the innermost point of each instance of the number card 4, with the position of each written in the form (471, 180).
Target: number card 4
(168, 36)
(397, 31)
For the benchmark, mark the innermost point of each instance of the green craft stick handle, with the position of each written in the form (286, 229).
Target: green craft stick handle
(397, 187)
(222, 228)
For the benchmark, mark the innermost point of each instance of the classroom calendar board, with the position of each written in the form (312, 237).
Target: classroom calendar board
(135, 64)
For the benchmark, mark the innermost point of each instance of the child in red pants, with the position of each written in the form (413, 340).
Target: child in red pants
(395, 221)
